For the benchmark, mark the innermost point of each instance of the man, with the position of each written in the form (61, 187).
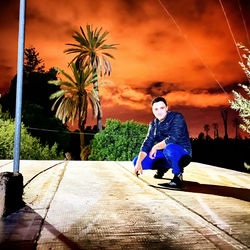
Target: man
(167, 144)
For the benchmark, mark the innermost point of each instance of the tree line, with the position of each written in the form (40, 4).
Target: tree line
(48, 119)
(77, 89)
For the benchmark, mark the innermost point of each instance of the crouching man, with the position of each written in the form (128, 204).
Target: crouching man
(167, 144)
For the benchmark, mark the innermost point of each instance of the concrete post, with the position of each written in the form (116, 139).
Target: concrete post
(11, 191)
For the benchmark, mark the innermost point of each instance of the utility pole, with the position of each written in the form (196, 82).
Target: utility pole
(19, 87)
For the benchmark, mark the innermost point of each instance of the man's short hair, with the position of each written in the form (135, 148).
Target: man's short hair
(159, 99)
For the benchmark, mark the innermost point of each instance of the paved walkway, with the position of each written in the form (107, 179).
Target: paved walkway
(102, 205)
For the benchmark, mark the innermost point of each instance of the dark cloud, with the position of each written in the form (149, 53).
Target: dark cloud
(131, 6)
(199, 67)
(9, 12)
(161, 88)
(217, 90)
(46, 25)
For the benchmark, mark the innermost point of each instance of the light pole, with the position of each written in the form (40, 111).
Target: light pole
(19, 86)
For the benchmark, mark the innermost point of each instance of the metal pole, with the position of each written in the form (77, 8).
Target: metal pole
(19, 86)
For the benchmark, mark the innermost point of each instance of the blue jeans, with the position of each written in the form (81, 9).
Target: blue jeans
(170, 157)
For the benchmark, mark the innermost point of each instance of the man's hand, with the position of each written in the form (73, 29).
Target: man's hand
(152, 153)
(138, 169)
(158, 146)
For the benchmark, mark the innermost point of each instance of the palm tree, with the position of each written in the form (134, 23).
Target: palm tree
(73, 95)
(216, 132)
(206, 129)
(236, 123)
(92, 50)
(224, 115)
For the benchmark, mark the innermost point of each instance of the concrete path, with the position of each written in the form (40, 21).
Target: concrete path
(102, 205)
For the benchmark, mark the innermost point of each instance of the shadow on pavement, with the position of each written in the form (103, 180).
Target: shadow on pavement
(22, 229)
(195, 187)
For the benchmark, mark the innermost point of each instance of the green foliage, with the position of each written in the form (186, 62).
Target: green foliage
(73, 97)
(30, 147)
(241, 104)
(36, 108)
(32, 62)
(5, 115)
(91, 48)
(119, 141)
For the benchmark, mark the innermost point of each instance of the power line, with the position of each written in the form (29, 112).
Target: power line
(232, 34)
(191, 45)
(230, 29)
(78, 133)
(244, 22)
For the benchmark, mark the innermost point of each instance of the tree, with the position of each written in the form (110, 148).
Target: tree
(73, 95)
(236, 123)
(224, 115)
(119, 141)
(37, 116)
(216, 131)
(28, 144)
(201, 136)
(206, 129)
(240, 103)
(32, 62)
(91, 50)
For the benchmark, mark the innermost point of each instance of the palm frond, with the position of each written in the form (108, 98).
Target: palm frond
(65, 74)
(54, 104)
(74, 45)
(76, 74)
(71, 50)
(98, 32)
(55, 82)
(83, 33)
(90, 36)
(104, 34)
(57, 94)
(109, 46)
(79, 38)
(109, 55)
(61, 83)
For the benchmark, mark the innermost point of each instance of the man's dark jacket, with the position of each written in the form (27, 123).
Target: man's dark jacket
(173, 129)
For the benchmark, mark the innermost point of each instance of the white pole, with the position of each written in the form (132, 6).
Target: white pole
(19, 86)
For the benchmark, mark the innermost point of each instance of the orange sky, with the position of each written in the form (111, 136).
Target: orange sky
(153, 58)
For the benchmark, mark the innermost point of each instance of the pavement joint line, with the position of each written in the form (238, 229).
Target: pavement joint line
(41, 173)
(195, 215)
(56, 185)
(6, 164)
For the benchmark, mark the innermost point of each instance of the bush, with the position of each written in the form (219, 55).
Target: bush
(30, 147)
(119, 141)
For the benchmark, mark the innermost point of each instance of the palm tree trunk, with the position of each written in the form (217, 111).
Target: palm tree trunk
(82, 141)
(225, 127)
(224, 114)
(81, 125)
(99, 114)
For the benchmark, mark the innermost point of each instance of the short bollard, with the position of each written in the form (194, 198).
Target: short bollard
(11, 191)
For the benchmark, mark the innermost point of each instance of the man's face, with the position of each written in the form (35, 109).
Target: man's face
(160, 110)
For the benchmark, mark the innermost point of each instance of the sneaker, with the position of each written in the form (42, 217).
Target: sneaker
(184, 161)
(160, 172)
(177, 181)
